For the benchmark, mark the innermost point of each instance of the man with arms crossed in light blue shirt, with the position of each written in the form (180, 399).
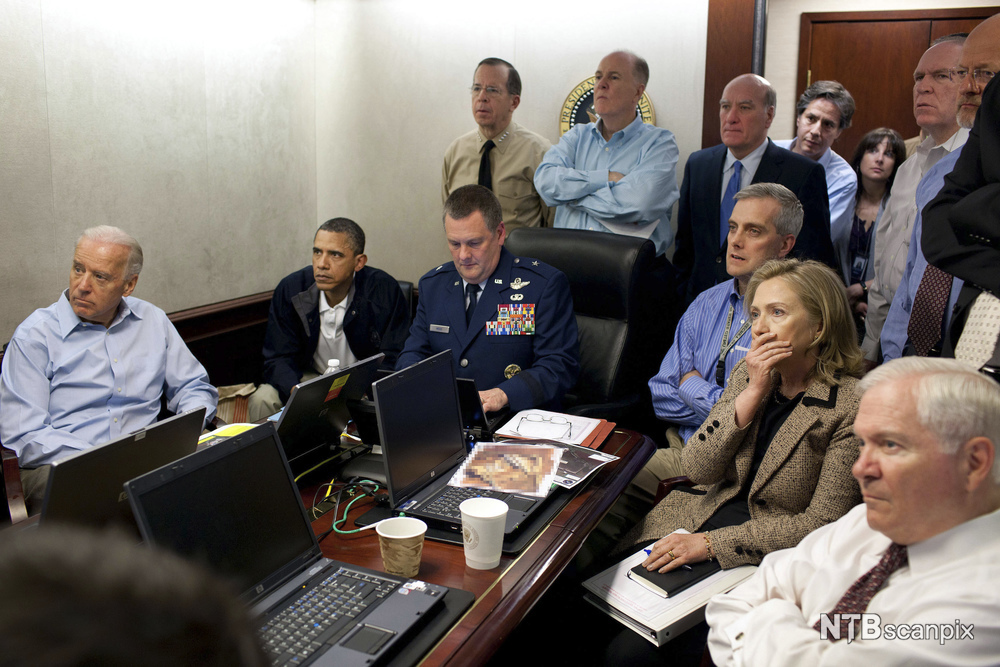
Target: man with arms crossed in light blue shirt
(93, 366)
(618, 174)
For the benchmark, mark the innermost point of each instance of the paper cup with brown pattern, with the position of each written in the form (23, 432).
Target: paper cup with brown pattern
(401, 540)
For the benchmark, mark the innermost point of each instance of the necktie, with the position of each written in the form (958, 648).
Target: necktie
(861, 592)
(473, 293)
(485, 173)
(927, 313)
(728, 201)
(982, 328)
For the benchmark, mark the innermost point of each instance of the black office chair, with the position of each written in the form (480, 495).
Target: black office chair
(607, 275)
(407, 288)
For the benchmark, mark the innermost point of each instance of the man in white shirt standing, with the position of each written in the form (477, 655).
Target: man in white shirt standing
(909, 577)
(935, 98)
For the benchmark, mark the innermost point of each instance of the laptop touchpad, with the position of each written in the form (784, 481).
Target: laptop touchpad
(520, 503)
(368, 639)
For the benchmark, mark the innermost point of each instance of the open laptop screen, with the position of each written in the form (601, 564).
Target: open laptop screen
(420, 424)
(232, 507)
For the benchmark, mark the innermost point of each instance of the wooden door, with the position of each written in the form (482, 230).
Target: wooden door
(873, 54)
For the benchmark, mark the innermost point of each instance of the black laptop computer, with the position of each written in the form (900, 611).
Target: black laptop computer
(86, 488)
(235, 508)
(479, 425)
(420, 426)
(317, 413)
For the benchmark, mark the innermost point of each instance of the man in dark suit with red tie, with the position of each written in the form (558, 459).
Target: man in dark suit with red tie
(745, 113)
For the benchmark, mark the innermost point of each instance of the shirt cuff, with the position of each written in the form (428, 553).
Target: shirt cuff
(693, 388)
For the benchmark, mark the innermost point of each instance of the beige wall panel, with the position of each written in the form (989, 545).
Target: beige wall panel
(261, 102)
(411, 63)
(28, 273)
(190, 124)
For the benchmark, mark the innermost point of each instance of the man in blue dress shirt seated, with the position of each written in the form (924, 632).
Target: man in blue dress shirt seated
(337, 308)
(508, 320)
(93, 366)
(714, 334)
(617, 174)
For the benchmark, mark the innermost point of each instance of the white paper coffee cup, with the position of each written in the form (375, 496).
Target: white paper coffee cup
(483, 521)
(401, 540)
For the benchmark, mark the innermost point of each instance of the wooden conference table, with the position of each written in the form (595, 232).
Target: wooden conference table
(505, 594)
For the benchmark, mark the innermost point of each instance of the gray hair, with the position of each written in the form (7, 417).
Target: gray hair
(833, 91)
(954, 402)
(957, 37)
(116, 236)
(790, 214)
(352, 230)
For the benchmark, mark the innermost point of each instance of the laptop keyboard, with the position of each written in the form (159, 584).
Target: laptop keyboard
(322, 616)
(447, 503)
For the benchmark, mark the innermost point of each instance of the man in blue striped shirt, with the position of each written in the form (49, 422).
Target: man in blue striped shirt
(714, 333)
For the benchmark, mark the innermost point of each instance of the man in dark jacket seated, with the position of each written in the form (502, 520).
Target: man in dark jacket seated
(337, 309)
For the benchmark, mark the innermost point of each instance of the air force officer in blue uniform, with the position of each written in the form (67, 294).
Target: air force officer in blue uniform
(520, 342)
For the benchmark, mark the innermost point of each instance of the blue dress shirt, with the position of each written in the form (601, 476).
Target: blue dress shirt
(841, 188)
(894, 331)
(696, 347)
(574, 176)
(68, 385)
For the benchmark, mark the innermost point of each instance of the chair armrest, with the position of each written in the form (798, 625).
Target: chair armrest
(668, 485)
(12, 486)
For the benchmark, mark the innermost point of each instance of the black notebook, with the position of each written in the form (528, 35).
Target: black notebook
(676, 580)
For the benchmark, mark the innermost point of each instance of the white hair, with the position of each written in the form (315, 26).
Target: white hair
(954, 401)
(116, 236)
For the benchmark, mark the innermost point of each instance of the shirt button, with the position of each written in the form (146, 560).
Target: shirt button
(116, 420)
(606, 149)
(463, 363)
(119, 390)
(718, 260)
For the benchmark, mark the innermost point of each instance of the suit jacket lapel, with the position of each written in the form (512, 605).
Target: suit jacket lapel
(818, 400)
(714, 191)
(456, 307)
(769, 169)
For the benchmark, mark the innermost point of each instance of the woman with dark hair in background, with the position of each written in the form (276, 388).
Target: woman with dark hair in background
(875, 161)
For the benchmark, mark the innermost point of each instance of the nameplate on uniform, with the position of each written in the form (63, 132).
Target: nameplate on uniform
(513, 319)
(440, 328)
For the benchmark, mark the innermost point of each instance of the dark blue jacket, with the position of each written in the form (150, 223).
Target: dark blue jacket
(376, 321)
(549, 360)
(700, 252)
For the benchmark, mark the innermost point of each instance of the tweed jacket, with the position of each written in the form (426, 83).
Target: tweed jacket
(803, 482)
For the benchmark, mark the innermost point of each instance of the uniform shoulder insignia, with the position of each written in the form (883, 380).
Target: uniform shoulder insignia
(442, 270)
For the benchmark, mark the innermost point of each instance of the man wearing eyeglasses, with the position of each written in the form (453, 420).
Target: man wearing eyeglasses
(917, 289)
(500, 155)
(934, 101)
(963, 222)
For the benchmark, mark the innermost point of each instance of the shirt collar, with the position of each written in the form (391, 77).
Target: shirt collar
(949, 144)
(69, 320)
(324, 306)
(750, 162)
(952, 545)
(501, 141)
(625, 133)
